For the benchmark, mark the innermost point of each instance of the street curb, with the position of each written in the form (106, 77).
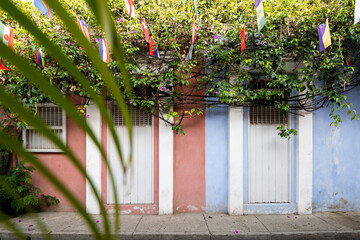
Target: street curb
(333, 235)
(172, 236)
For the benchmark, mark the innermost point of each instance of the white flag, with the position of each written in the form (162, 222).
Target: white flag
(357, 11)
(129, 4)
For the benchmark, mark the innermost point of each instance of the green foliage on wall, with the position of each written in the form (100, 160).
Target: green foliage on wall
(289, 35)
(18, 195)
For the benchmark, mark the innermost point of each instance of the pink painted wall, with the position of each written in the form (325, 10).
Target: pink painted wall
(189, 165)
(62, 168)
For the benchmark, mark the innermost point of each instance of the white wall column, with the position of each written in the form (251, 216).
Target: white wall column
(166, 168)
(304, 163)
(236, 159)
(93, 159)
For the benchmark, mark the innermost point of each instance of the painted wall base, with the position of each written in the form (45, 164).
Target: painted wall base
(272, 208)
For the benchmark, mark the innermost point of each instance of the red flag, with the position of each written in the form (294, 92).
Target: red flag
(242, 39)
(146, 33)
(348, 60)
(3, 66)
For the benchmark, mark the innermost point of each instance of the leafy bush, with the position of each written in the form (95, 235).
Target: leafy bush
(18, 195)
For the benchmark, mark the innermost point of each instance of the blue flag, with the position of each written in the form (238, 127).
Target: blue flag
(44, 8)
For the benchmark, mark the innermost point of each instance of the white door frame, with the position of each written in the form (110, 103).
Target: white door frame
(166, 164)
(304, 159)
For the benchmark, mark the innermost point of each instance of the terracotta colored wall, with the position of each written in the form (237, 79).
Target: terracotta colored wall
(64, 170)
(189, 167)
(189, 161)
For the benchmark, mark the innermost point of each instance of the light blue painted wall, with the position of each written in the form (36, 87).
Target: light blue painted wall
(216, 159)
(336, 162)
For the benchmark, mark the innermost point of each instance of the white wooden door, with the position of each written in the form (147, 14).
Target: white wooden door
(268, 157)
(136, 186)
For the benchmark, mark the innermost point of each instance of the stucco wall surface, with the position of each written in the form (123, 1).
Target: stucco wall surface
(189, 167)
(336, 160)
(216, 159)
(62, 168)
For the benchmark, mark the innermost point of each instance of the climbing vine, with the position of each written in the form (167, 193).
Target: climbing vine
(285, 55)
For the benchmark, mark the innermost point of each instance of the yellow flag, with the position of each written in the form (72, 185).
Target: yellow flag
(326, 36)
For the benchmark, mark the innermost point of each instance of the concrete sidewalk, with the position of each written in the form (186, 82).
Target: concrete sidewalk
(340, 225)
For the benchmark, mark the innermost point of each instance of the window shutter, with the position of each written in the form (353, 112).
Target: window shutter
(55, 118)
(264, 114)
(138, 117)
(260, 114)
(51, 115)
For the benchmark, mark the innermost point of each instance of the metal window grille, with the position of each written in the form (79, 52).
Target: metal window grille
(54, 117)
(51, 115)
(266, 115)
(138, 117)
(263, 114)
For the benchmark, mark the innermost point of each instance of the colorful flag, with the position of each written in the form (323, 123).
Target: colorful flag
(324, 36)
(104, 50)
(242, 39)
(44, 8)
(260, 14)
(189, 55)
(357, 11)
(195, 6)
(130, 7)
(83, 26)
(153, 49)
(7, 35)
(39, 57)
(145, 29)
(3, 66)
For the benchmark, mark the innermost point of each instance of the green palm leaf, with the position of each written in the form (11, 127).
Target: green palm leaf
(34, 77)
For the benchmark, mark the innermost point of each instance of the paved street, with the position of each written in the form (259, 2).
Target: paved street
(340, 225)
